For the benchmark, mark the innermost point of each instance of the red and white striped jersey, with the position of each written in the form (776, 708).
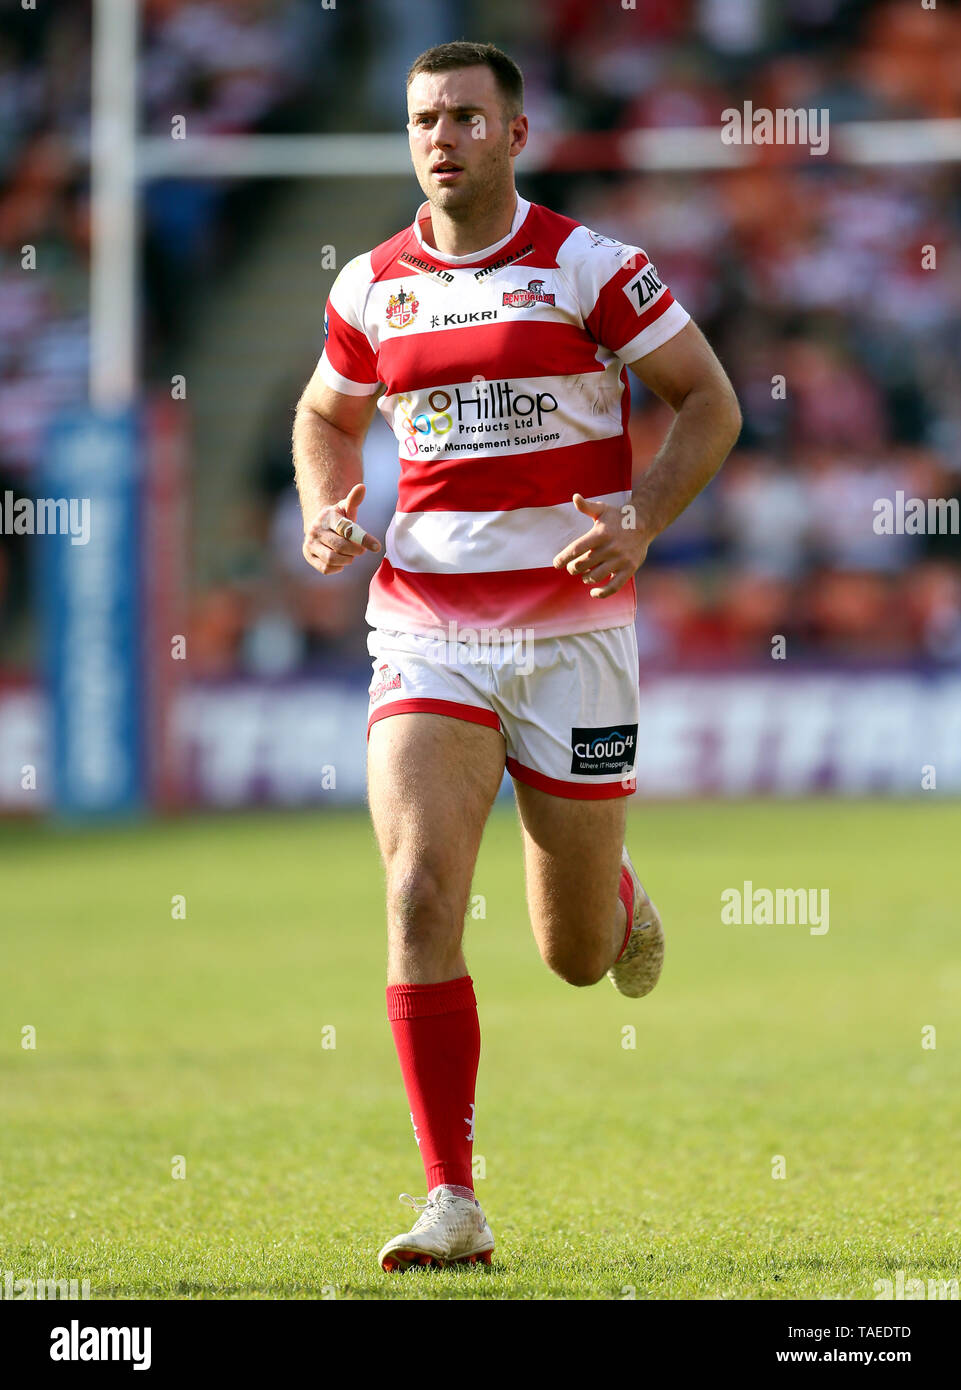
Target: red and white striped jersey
(504, 382)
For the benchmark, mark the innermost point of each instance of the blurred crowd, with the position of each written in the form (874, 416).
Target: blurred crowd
(815, 283)
(225, 67)
(844, 352)
(833, 296)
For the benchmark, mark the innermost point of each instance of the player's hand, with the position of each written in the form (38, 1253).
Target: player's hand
(326, 547)
(608, 554)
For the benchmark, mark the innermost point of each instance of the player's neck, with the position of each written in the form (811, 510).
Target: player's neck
(473, 232)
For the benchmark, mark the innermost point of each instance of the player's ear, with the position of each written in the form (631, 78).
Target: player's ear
(518, 132)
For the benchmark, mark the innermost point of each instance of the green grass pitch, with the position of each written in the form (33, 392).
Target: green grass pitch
(610, 1172)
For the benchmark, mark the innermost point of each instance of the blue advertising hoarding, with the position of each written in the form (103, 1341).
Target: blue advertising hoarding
(90, 584)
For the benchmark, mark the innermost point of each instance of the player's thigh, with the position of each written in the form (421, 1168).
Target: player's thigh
(572, 863)
(431, 783)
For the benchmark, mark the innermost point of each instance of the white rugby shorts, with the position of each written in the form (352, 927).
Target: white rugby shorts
(568, 707)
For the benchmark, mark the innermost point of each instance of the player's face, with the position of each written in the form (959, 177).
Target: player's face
(461, 138)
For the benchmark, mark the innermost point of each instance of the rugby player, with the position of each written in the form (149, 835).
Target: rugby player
(494, 336)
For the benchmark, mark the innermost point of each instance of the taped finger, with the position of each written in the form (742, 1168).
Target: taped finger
(350, 530)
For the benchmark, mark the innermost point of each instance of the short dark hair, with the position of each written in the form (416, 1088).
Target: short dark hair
(448, 57)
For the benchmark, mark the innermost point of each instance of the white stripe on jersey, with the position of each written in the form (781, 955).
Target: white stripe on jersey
(482, 304)
(349, 291)
(589, 261)
(484, 418)
(343, 384)
(485, 542)
(655, 334)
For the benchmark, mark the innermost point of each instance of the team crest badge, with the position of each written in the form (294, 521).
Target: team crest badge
(385, 679)
(523, 299)
(402, 309)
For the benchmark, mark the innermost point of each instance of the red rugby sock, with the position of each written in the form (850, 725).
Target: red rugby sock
(437, 1037)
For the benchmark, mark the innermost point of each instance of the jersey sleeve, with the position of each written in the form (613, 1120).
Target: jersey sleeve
(349, 362)
(625, 305)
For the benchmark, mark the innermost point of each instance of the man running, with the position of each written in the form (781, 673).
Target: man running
(494, 337)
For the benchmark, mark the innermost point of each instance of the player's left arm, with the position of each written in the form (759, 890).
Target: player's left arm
(685, 373)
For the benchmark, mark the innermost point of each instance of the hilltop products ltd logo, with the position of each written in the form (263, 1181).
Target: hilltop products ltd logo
(599, 752)
(402, 309)
(493, 406)
(523, 299)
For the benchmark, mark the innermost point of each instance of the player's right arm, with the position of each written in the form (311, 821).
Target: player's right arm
(329, 432)
(332, 419)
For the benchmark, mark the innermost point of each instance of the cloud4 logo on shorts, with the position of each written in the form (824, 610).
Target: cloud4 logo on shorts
(600, 752)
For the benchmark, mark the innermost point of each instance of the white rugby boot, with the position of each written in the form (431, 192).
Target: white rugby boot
(449, 1230)
(639, 968)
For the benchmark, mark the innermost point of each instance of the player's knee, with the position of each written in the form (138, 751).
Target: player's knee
(576, 966)
(418, 905)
